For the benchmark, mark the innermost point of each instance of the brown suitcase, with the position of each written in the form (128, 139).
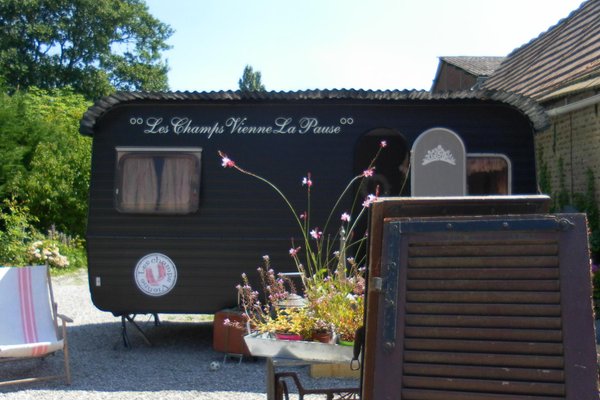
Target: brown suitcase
(229, 339)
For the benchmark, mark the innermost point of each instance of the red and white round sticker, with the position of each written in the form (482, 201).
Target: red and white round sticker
(155, 274)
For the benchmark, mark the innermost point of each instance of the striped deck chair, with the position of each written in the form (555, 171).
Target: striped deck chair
(29, 326)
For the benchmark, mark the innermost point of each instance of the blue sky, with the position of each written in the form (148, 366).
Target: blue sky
(327, 44)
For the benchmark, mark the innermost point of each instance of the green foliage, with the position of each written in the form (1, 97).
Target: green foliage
(544, 185)
(75, 252)
(251, 81)
(563, 197)
(596, 287)
(56, 191)
(19, 240)
(19, 136)
(93, 46)
(17, 230)
(45, 161)
(595, 243)
(586, 202)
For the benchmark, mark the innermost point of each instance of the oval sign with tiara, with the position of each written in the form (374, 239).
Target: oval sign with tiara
(439, 164)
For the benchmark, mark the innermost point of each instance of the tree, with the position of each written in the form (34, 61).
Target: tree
(93, 46)
(19, 136)
(250, 81)
(45, 161)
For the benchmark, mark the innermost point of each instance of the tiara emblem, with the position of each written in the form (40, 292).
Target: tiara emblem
(439, 154)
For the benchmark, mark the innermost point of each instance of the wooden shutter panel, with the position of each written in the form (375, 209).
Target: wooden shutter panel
(485, 308)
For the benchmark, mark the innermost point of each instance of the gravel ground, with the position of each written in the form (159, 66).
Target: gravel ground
(176, 367)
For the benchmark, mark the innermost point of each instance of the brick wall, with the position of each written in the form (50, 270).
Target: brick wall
(575, 137)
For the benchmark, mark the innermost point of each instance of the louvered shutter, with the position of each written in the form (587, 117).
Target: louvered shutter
(484, 308)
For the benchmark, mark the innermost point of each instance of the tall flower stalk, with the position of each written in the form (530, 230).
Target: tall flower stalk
(226, 162)
(333, 281)
(318, 243)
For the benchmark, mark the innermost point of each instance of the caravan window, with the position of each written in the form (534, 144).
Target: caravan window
(488, 174)
(157, 181)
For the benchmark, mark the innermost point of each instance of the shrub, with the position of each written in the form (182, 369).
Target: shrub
(15, 233)
(59, 251)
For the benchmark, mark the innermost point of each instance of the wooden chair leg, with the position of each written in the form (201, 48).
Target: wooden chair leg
(66, 354)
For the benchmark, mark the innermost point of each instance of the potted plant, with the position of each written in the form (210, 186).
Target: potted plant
(262, 312)
(338, 299)
(333, 282)
(321, 330)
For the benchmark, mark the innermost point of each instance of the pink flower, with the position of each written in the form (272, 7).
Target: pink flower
(346, 217)
(294, 251)
(383, 144)
(304, 215)
(306, 181)
(316, 234)
(368, 172)
(369, 200)
(226, 162)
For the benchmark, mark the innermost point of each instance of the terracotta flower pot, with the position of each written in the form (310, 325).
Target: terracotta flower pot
(323, 337)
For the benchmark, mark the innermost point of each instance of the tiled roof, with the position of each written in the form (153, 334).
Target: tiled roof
(581, 86)
(567, 53)
(530, 108)
(478, 66)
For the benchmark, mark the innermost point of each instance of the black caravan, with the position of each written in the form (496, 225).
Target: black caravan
(170, 230)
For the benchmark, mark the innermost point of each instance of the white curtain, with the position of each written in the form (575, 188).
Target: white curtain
(139, 185)
(177, 184)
